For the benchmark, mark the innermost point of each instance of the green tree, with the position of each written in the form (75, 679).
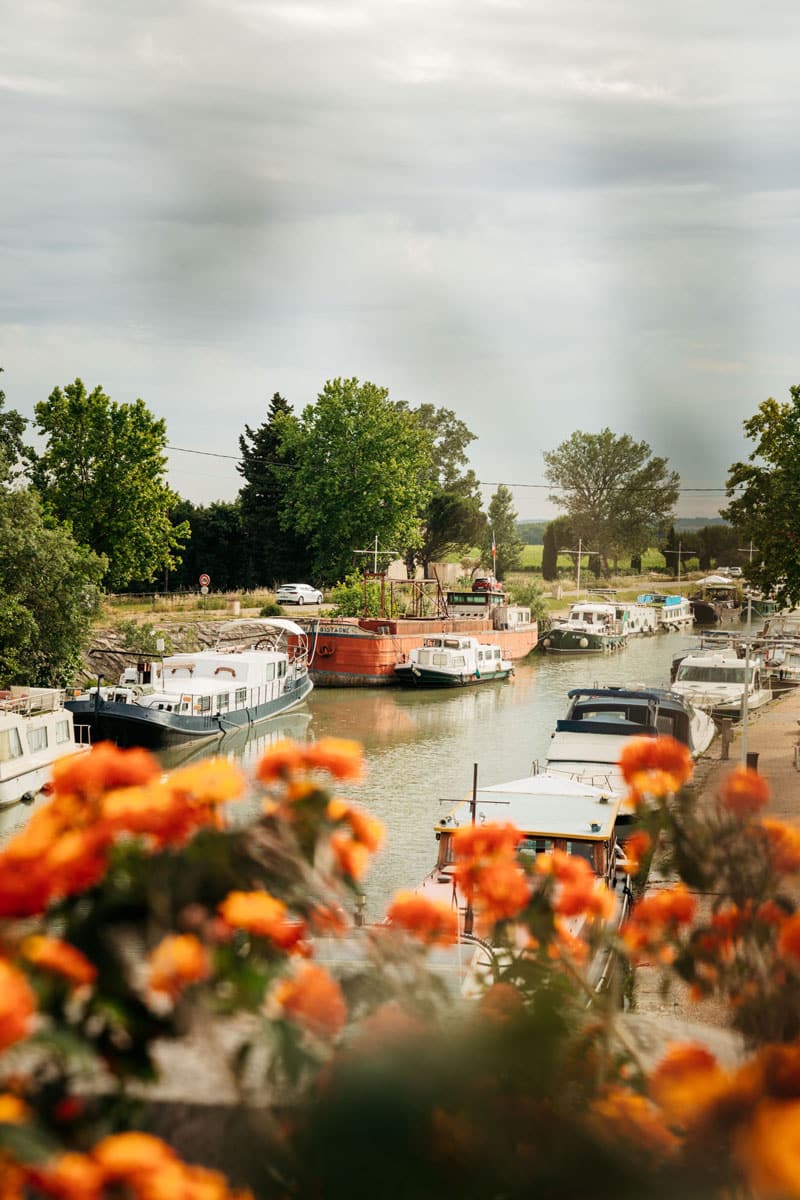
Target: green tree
(502, 524)
(214, 547)
(765, 498)
(103, 471)
(451, 521)
(49, 594)
(616, 494)
(271, 552)
(362, 471)
(557, 535)
(12, 427)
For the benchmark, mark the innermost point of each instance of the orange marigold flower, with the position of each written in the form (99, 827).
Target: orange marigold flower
(566, 944)
(351, 856)
(71, 1176)
(13, 1111)
(53, 954)
(567, 868)
(213, 781)
(282, 760)
(767, 1149)
(636, 847)
(655, 766)
(17, 1005)
(327, 919)
(620, 1112)
(340, 757)
(25, 887)
(783, 843)
(366, 829)
(657, 915)
(78, 860)
(312, 998)
(106, 766)
(177, 961)
(124, 1156)
(263, 915)
(430, 920)
(500, 888)
(162, 813)
(687, 1081)
(490, 840)
(744, 792)
(789, 937)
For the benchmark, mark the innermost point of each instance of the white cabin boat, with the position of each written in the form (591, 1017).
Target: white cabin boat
(35, 731)
(716, 682)
(672, 612)
(452, 660)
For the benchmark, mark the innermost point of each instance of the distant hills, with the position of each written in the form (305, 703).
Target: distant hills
(532, 531)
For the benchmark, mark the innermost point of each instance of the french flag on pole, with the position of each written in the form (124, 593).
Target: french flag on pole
(494, 549)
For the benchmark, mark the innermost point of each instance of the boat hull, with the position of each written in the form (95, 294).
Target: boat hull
(572, 641)
(410, 675)
(346, 654)
(134, 725)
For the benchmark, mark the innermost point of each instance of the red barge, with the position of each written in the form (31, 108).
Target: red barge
(363, 652)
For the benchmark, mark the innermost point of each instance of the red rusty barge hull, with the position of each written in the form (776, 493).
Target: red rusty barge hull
(363, 653)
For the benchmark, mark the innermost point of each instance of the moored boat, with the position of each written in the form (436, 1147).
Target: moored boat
(452, 660)
(363, 652)
(716, 681)
(589, 628)
(35, 731)
(714, 599)
(587, 743)
(673, 612)
(199, 697)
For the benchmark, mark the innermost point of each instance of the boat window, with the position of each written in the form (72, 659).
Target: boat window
(10, 745)
(269, 672)
(282, 668)
(223, 702)
(63, 732)
(689, 674)
(37, 738)
(203, 704)
(497, 652)
(458, 660)
(452, 643)
(665, 724)
(440, 660)
(582, 850)
(241, 697)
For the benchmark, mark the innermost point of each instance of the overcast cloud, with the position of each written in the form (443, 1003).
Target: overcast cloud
(546, 216)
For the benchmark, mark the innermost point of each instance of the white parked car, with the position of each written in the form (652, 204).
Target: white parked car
(298, 593)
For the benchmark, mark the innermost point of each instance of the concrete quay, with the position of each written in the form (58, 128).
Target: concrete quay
(773, 733)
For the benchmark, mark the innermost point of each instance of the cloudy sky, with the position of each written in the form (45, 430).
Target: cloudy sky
(547, 216)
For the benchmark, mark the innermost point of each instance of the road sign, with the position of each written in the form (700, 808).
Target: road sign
(204, 590)
(205, 580)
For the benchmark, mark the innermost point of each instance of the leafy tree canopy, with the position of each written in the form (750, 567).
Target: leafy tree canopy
(362, 471)
(12, 427)
(271, 553)
(103, 471)
(765, 498)
(214, 547)
(558, 534)
(616, 494)
(502, 522)
(49, 594)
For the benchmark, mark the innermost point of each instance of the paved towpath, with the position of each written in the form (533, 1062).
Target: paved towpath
(773, 733)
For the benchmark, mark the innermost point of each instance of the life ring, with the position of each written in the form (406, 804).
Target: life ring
(231, 669)
(326, 650)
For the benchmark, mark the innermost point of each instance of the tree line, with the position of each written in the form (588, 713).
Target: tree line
(91, 510)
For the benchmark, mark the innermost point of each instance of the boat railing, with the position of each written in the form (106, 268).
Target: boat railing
(25, 702)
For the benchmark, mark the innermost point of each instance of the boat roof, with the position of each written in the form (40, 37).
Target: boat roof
(244, 626)
(543, 805)
(573, 745)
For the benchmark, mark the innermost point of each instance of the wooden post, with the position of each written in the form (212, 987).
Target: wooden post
(726, 736)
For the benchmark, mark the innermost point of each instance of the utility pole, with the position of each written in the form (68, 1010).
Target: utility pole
(580, 553)
(678, 552)
(749, 551)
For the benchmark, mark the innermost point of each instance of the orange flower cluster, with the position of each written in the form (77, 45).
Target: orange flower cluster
(177, 961)
(137, 1165)
(60, 958)
(634, 1118)
(783, 844)
(359, 837)
(265, 916)
(487, 869)
(17, 1005)
(656, 918)
(98, 797)
(636, 847)
(578, 890)
(313, 999)
(744, 792)
(655, 766)
(429, 920)
(341, 758)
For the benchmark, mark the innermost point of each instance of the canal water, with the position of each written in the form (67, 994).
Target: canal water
(420, 746)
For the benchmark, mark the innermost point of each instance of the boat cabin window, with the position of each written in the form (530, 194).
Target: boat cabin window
(440, 660)
(241, 697)
(223, 702)
(269, 671)
(711, 674)
(452, 643)
(63, 732)
(37, 738)
(458, 660)
(497, 652)
(202, 704)
(10, 745)
(281, 668)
